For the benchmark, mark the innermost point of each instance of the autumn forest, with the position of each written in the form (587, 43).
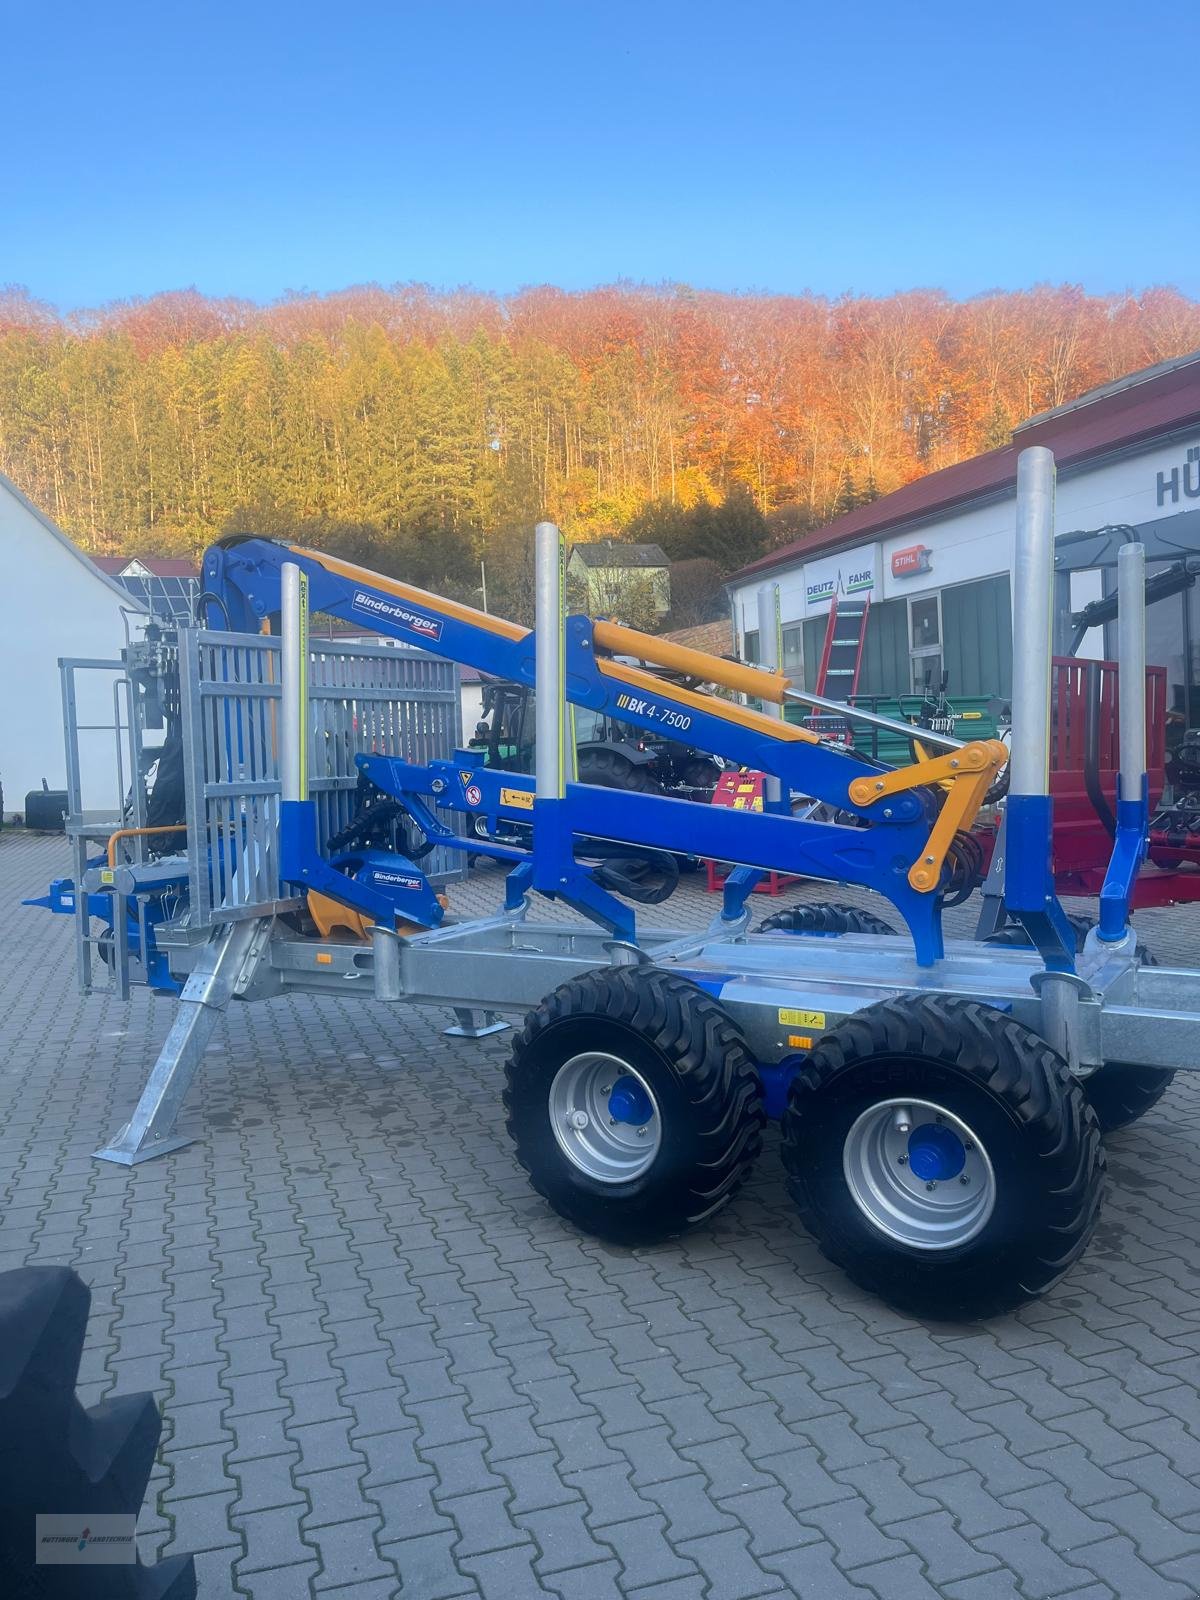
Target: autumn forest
(426, 430)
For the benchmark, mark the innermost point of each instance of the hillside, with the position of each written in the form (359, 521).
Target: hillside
(458, 418)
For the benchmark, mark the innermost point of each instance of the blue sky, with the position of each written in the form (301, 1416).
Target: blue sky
(256, 148)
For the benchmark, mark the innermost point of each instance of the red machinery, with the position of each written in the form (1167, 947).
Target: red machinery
(1083, 782)
(742, 790)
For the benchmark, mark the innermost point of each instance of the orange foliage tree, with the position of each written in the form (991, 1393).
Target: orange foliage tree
(462, 416)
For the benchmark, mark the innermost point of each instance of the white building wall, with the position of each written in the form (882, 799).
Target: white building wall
(53, 603)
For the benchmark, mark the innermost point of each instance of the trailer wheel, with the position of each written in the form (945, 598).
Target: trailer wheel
(633, 1103)
(1120, 1092)
(943, 1156)
(825, 916)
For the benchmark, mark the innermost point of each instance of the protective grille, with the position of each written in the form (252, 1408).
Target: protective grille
(361, 698)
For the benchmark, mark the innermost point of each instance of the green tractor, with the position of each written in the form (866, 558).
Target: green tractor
(608, 752)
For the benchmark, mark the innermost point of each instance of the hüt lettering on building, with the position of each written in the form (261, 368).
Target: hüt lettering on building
(1181, 482)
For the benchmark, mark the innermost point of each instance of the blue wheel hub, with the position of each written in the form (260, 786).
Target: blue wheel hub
(629, 1102)
(935, 1153)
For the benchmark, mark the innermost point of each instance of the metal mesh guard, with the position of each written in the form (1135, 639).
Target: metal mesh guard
(361, 698)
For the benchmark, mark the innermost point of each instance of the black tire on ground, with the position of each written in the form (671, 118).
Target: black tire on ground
(825, 916)
(58, 1457)
(1027, 1114)
(690, 1055)
(1120, 1091)
(611, 770)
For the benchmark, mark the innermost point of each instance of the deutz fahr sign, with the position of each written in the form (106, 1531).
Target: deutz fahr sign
(854, 574)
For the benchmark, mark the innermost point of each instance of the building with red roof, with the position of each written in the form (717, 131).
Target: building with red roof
(166, 585)
(934, 559)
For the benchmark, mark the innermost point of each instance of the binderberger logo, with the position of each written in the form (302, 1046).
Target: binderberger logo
(374, 605)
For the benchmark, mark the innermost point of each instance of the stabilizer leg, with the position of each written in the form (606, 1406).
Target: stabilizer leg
(224, 964)
(468, 1028)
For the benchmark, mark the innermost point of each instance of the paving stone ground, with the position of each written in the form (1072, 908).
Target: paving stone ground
(388, 1369)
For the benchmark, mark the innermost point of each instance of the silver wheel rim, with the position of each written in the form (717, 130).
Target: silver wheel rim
(605, 1117)
(919, 1174)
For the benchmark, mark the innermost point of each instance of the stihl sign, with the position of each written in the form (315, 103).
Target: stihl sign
(909, 562)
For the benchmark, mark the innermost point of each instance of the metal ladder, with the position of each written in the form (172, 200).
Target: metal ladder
(842, 652)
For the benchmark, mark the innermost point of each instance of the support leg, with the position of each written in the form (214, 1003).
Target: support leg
(225, 964)
(467, 1028)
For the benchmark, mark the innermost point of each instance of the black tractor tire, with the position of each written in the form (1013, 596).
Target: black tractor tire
(1120, 1092)
(700, 774)
(825, 916)
(1026, 1113)
(60, 1458)
(693, 1059)
(1013, 936)
(611, 770)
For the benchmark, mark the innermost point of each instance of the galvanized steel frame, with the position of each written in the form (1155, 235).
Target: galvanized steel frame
(361, 698)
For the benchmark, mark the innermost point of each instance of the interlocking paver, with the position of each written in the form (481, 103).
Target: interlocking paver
(389, 1370)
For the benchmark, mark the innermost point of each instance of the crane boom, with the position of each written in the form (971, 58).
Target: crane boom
(890, 840)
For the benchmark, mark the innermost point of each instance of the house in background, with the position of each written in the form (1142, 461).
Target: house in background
(54, 602)
(935, 558)
(610, 570)
(165, 585)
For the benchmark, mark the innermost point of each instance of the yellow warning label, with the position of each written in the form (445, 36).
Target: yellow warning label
(106, 875)
(519, 799)
(802, 1019)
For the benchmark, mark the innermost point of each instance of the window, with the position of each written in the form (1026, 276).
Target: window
(925, 642)
(750, 645)
(923, 617)
(793, 647)
(589, 725)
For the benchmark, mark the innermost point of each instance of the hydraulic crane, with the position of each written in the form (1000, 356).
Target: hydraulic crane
(900, 824)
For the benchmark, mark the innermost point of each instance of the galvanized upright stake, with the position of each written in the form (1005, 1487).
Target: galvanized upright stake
(1033, 623)
(770, 655)
(293, 723)
(1131, 651)
(1029, 878)
(550, 688)
(1129, 846)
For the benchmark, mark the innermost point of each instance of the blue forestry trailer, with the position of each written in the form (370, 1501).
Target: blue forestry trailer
(942, 1103)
